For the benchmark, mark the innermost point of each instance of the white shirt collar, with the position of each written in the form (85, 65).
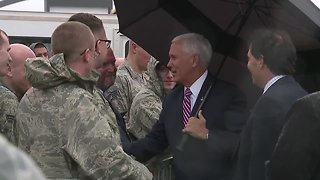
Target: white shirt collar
(271, 82)
(196, 87)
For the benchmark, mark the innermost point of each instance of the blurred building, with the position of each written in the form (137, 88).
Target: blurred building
(27, 27)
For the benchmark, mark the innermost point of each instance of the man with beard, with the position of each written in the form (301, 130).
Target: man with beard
(64, 122)
(106, 67)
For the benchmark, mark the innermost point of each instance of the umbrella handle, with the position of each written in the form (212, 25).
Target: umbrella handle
(185, 137)
(182, 142)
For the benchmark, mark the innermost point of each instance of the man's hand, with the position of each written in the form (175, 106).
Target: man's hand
(196, 127)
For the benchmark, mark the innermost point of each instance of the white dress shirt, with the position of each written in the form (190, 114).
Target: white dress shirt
(271, 82)
(196, 87)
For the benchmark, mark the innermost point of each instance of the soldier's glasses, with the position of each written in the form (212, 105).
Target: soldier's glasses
(95, 53)
(107, 41)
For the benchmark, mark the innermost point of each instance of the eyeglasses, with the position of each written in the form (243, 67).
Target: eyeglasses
(107, 41)
(95, 54)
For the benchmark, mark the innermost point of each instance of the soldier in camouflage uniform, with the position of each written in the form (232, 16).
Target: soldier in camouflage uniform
(12, 87)
(107, 69)
(131, 78)
(64, 121)
(4, 53)
(7, 108)
(145, 111)
(147, 104)
(16, 165)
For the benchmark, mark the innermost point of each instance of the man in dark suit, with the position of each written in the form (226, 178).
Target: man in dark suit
(271, 60)
(207, 152)
(297, 154)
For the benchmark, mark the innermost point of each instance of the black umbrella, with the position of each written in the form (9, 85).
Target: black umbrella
(153, 23)
(226, 23)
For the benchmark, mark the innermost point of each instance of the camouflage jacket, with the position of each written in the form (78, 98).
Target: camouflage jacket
(147, 104)
(127, 84)
(68, 128)
(15, 164)
(8, 107)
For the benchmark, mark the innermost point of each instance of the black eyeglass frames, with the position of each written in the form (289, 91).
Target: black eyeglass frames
(107, 41)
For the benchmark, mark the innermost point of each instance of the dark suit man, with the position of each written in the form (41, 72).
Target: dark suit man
(208, 150)
(271, 59)
(297, 154)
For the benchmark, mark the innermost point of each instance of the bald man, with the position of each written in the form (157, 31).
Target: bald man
(64, 122)
(16, 77)
(13, 86)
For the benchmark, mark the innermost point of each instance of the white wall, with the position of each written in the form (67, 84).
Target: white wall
(40, 24)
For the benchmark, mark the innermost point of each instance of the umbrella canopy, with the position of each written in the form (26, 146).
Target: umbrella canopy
(154, 23)
(226, 23)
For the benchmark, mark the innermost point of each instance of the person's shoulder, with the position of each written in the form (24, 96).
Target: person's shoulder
(123, 70)
(16, 164)
(5, 93)
(145, 95)
(8, 98)
(312, 98)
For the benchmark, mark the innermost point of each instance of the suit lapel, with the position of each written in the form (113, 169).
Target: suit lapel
(206, 84)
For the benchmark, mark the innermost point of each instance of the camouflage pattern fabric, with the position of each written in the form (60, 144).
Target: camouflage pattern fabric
(147, 104)
(144, 113)
(68, 128)
(15, 164)
(8, 107)
(127, 84)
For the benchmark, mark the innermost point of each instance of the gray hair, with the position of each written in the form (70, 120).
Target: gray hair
(196, 44)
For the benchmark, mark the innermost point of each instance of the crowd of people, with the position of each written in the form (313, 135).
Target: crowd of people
(72, 114)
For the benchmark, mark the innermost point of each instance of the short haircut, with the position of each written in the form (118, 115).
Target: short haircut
(1, 37)
(37, 45)
(276, 48)
(71, 39)
(93, 22)
(40, 45)
(196, 44)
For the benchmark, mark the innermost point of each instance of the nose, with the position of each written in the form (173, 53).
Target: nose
(169, 65)
(111, 68)
(169, 74)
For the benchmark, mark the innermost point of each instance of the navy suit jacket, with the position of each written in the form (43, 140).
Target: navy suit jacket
(225, 111)
(297, 154)
(261, 133)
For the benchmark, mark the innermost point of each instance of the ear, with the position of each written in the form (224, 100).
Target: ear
(97, 46)
(10, 73)
(195, 60)
(261, 63)
(86, 56)
(134, 47)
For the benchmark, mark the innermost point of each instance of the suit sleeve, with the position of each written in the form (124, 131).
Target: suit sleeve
(154, 142)
(234, 117)
(296, 156)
